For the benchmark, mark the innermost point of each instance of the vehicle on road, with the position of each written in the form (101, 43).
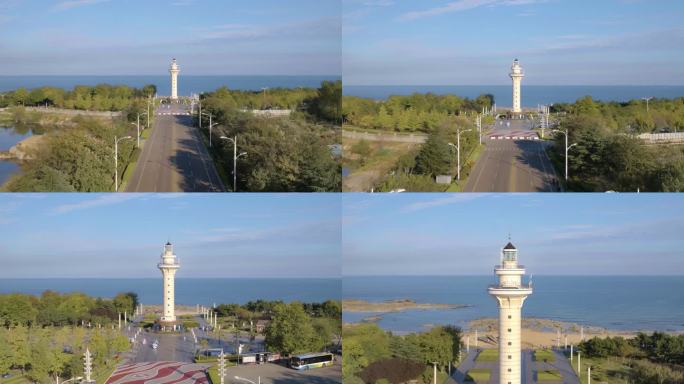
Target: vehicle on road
(155, 345)
(312, 360)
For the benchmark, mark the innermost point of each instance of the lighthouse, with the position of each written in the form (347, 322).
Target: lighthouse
(174, 70)
(510, 293)
(168, 266)
(516, 75)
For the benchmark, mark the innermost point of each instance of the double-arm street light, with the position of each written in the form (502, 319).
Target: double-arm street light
(116, 160)
(647, 99)
(567, 148)
(235, 157)
(211, 125)
(458, 151)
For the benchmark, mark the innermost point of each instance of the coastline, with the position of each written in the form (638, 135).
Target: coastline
(388, 306)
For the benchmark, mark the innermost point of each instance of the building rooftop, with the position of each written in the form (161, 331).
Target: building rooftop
(509, 246)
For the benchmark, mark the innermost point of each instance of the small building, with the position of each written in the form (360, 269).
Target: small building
(443, 179)
(261, 325)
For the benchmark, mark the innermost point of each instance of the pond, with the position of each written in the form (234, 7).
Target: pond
(9, 136)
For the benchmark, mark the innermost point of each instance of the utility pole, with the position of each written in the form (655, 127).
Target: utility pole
(479, 126)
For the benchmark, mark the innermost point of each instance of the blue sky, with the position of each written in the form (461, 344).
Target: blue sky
(133, 37)
(215, 235)
(473, 42)
(556, 234)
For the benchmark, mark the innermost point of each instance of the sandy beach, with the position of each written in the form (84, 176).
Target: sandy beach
(538, 333)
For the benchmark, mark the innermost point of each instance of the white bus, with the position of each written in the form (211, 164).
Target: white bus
(311, 360)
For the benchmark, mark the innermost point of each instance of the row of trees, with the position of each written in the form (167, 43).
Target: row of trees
(45, 353)
(654, 358)
(102, 97)
(417, 112)
(55, 309)
(77, 157)
(371, 354)
(608, 155)
(292, 154)
(658, 347)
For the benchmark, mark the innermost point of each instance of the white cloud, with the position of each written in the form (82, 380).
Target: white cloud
(455, 198)
(64, 5)
(463, 5)
(99, 201)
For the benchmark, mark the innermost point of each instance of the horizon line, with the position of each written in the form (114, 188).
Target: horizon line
(508, 84)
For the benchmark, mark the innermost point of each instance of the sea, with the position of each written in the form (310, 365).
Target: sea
(532, 95)
(628, 303)
(189, 291)
(9, 136)
(187, 84)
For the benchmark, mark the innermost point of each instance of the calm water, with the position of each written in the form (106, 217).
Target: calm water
(188, 291)
(627, 303)
(186, 84)
(8, 138)
(532, 95)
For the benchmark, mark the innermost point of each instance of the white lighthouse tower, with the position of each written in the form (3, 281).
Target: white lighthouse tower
(174, 70)
(516, 75)
(510, 293)
(168, 266)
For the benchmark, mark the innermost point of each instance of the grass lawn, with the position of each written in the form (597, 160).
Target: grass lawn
(488, 355)
(550, 375)
(544, 355)
(478, 375)
(610, 370)
(213, 375)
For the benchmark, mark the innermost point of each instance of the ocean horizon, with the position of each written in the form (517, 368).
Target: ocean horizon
(532, 95)
(189, 291)
(187, 84)
(627, 303)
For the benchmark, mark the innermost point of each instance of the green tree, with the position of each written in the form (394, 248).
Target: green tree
(290, 330)
(435, 157)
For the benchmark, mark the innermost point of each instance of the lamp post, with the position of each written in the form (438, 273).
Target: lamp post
(567, 147)
(458, 151)
(647, 99)
(116, 161)
(210, 124)
(235, 157)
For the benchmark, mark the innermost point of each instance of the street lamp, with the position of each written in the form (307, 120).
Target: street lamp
(458, 151)
(647, 99)
(235, 157)
(116, 161)
(567, 147)
(210, 124)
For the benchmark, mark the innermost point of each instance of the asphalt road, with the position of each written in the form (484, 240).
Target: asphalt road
(174, 158)
(508, 165)
(172, 347)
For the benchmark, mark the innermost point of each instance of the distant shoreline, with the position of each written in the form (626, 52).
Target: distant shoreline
(392, 306)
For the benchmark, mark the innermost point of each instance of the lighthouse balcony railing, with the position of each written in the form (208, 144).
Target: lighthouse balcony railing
(502, 267)
(521, 286)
